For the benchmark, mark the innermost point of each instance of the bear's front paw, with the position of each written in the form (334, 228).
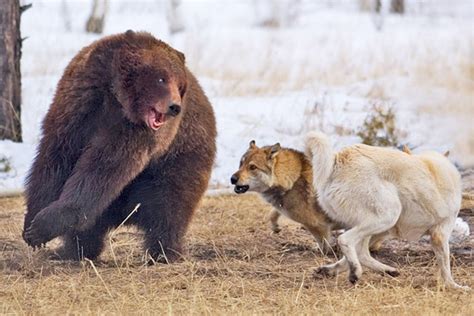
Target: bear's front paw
(51, 222)
(38, 233)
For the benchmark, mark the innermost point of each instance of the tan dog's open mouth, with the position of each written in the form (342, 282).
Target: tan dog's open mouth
(239, 189)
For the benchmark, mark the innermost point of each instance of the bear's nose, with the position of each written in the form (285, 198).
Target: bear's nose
(234, 179)
(174, 109)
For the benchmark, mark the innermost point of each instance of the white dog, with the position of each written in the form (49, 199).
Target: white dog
(376, 191)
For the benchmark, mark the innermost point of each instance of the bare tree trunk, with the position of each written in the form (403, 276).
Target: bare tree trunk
(175, 20)
(275, 14)
(95, 23)
(397, 6)
(66, 16)
(10, 75)
(366, 5)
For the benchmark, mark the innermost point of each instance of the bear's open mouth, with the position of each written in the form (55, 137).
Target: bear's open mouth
(155, 119)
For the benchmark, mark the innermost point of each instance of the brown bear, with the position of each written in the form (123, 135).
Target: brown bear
(129, 124)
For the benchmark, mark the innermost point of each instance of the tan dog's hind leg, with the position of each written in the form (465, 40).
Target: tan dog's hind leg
(376, 241)
(322, 234)
(274, 216)
(368, 261)
(440, 243)
(467, 200)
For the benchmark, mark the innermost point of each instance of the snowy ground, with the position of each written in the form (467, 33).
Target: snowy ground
(324, 71)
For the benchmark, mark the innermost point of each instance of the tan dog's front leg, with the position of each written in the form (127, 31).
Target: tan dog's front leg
(274, 216)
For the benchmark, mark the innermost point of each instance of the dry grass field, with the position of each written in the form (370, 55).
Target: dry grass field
(233, 265)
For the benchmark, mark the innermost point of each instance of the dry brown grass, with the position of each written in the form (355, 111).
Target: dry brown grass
(234, 265)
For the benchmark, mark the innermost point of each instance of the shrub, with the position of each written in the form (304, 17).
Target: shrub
(379, 127)
(5, 165)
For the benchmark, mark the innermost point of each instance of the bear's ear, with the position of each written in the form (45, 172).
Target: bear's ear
(252, 144)
(180, 56)
(171, 50)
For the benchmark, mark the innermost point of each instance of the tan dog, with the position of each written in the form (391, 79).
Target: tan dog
(284, 178)
(379, 191)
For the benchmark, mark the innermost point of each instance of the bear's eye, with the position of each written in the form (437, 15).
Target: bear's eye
(252, 167)
(161, 80)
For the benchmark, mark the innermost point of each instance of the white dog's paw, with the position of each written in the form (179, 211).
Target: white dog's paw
(461, 287)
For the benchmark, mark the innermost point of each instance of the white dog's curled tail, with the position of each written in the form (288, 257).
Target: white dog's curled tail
(319, 150)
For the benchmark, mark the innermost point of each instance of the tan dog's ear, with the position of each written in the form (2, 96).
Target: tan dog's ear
(274, 150)
(446, 154)
(407, 150)
(252, 144)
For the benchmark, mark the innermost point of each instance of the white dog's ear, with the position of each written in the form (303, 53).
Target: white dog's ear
(406, 149)
(274, 150)
(252, 144)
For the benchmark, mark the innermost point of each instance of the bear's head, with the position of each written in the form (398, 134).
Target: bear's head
(149, 83)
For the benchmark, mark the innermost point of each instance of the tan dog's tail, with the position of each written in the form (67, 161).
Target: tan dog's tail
(321, 153)
(467, 201)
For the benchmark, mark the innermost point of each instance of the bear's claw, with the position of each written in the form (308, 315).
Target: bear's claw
(36, 237)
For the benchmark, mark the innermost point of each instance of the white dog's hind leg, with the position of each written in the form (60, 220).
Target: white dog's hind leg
(368, 261)
(440, 242)
(350, 242)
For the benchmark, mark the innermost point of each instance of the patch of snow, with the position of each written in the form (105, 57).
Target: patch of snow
(275, 84)
(18, 158)
(460, 232)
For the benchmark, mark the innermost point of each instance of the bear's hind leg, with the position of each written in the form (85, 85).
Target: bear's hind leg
(169, 193)
(165, 221)
(81, 245)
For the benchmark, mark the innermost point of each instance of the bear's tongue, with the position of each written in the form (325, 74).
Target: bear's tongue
(155, 119)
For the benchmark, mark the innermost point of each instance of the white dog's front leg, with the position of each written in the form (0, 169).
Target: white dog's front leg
(333, 268)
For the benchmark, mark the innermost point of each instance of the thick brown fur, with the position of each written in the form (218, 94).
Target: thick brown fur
(110, 142)
(284, 178)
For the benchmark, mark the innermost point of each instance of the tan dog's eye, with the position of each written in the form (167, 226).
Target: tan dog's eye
(252, 167)
(161, 80)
